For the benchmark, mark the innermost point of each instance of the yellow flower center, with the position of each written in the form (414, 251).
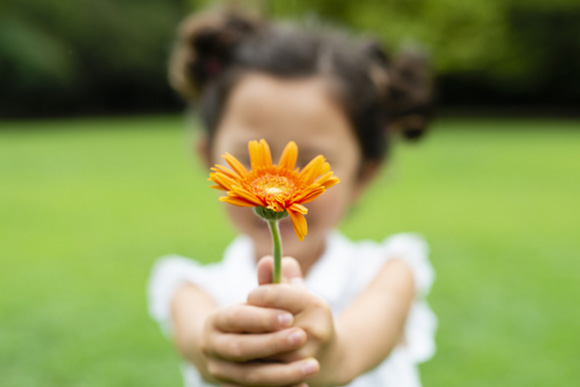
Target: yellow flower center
(274, 188)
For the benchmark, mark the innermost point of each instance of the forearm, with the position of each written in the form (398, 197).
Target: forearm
(369, 329)
(190, 308)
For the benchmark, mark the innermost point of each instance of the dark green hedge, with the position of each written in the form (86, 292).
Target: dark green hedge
(99, 56)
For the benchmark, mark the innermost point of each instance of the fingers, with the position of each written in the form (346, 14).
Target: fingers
(263, 374)
(265, 269)
(282, 296)
(251, 319)
(291, 271)
(243, 347)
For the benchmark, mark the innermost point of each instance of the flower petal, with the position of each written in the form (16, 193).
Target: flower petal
(298, 208)
(254, 150)
(309, 194)
(246, 195)
(328, 180)
(236, 201)
(316, 167)
(222, 180)
(265, 184)
(260, 155)
(221, 169)
(266, 154)
(331, 182)
(289, 156)
(235, 164)
(299, 224)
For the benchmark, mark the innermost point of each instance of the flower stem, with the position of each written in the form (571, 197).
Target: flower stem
(277, 253)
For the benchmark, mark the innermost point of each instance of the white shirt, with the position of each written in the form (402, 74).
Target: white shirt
(344, 270)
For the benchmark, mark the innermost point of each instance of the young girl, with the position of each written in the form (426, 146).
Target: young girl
(349, 313)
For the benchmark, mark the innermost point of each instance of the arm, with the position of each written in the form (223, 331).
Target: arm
(372, 326)
(348, 346)
(189, 324)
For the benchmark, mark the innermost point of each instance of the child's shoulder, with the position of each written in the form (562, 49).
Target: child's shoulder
(227, 281)
(366, 256)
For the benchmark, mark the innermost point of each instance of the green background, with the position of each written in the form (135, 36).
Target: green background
(87, 205)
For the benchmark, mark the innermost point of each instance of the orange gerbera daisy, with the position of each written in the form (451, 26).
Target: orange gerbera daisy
(279, 188)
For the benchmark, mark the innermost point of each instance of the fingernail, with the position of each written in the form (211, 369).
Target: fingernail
(285, 319)
(310, 367)
(296, 337)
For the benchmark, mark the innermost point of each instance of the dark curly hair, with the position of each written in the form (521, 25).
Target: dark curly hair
(382, 96)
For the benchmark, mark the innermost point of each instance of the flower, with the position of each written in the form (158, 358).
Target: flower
(278, 188)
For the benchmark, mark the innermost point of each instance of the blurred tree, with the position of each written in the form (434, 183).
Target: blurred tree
(99, 56)
(71, 56)
(490, 52)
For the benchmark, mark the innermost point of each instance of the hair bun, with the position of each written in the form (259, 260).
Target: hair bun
(410, 94)
(205, 48)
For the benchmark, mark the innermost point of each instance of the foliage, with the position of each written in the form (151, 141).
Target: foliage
(84, 55)
(105, 55)
(519, 51)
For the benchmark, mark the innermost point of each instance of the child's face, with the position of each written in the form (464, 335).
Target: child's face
(279, 111)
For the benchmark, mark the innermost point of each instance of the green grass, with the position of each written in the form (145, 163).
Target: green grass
(87, 205)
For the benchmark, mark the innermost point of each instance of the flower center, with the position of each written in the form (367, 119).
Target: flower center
(274, 187)
(273, 190)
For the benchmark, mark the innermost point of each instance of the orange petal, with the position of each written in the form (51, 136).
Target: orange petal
(299, 208)
(266, 154)
(246, 195)
(236, 201)
(222, 180)
(309, 194)
(313, 169)
(235, 164)
(289, 156)
(254, 150)
(221, 169)
(276, 206)
(328, 180)
(331, 182)
(217, 187)
(260, 155)
(299, 224)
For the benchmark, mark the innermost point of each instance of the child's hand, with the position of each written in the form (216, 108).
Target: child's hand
(311, 313)
(236, 336)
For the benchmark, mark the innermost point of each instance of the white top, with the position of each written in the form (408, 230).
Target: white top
(345, 269)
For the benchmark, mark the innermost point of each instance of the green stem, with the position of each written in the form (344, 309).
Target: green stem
(277, 253)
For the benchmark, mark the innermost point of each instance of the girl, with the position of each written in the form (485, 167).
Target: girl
(348, 313)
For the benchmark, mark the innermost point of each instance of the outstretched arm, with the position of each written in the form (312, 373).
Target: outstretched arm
(373, 325)
(190, 309)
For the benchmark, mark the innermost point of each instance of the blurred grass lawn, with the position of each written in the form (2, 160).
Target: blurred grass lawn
(87, 205)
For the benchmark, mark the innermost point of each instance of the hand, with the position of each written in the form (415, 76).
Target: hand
(238, 338)
(311, 313)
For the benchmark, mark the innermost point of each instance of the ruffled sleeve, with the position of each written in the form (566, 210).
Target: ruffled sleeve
(167, 275)
(228, 281)
(421, 323)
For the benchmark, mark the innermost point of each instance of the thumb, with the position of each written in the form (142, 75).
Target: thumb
(291, 271)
